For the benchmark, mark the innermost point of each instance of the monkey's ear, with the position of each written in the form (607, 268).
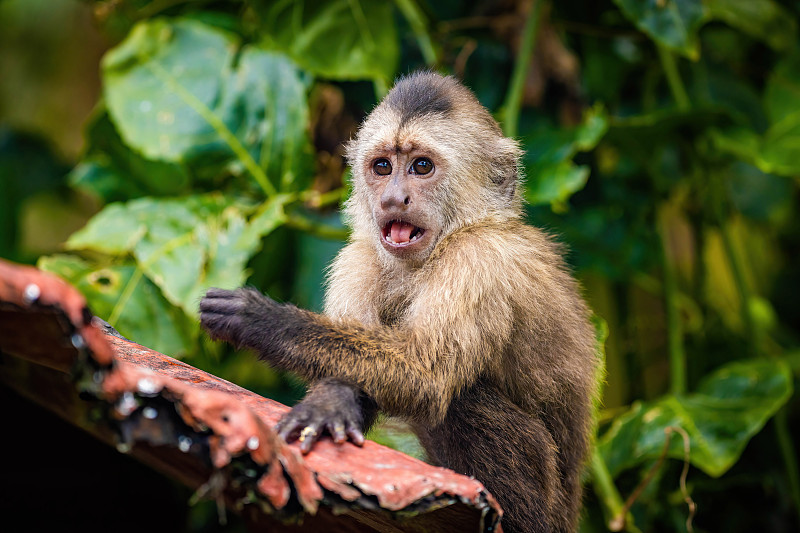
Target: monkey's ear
(505, 166)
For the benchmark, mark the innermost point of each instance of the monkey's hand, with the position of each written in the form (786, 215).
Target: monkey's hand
(233, 315)
(331, 407)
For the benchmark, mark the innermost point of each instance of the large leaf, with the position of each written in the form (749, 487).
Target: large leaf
(178, 92)
(132, 302)
(114, 172)
(729, 407)
(184, 246)
(340, 39)
(551, 176)
(671, 23)
(280, 115)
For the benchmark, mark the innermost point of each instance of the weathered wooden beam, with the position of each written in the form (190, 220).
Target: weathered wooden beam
(211, 434)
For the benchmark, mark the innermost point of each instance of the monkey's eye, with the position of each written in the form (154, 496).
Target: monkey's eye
(422, 165)
(382, 167)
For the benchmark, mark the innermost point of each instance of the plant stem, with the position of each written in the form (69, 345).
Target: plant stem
(318, 200)
(677, 355)
(673, 78)
(509, 115)
(605, 489)
(300, 222)
(419, 25)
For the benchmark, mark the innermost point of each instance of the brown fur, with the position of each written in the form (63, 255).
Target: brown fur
(480, 340)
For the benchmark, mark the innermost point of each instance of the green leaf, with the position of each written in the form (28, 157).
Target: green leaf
(744, 143)
(763, 19)
(760, 196)
(728, 409)
(782, 94)
(551, 176)
(674, 23)
(781, 147)
(339, 39)
(280, 114)
(670, 23)
(142, 313)
(184, 246)
(649, 141)
(718, 87)
(397, 436)
(177, 92)
(555, 184)
(777, 152)
(99, 177)
(114, 172)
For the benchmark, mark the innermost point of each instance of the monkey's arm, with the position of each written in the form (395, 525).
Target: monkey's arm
(413, 371)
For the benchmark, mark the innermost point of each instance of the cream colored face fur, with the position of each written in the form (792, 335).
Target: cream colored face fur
(473, 165)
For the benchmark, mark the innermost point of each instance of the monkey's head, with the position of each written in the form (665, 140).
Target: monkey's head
(428, 160)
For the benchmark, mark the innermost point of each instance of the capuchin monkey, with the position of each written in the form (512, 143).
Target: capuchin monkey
(445, 309)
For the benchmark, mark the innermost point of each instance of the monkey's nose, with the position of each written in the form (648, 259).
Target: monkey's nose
(395, 196)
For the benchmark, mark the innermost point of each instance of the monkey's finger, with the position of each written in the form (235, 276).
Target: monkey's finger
(221, 305)
(355, 434)
(214, 292)
(217, 325)
(308, 437)
(289, 432)
(290, 426)
(336, 429)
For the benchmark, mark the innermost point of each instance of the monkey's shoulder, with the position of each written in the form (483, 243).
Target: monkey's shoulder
(508, 244)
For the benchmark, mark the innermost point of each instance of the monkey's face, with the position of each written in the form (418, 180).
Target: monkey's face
(402, 187)
(428, 160)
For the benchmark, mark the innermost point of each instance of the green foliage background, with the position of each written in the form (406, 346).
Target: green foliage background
(663, 147)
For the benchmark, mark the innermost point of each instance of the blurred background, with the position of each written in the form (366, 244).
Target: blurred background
(152, 148)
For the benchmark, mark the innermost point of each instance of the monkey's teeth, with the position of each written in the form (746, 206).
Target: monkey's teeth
(401, 233)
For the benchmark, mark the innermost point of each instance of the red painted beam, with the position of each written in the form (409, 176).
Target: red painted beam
(211, 434)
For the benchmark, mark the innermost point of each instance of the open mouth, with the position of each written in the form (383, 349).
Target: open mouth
(400, 233)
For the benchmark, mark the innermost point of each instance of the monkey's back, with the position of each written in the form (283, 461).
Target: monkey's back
(538, 395)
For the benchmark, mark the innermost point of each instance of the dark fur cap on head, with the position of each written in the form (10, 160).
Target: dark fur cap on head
(427, 93)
